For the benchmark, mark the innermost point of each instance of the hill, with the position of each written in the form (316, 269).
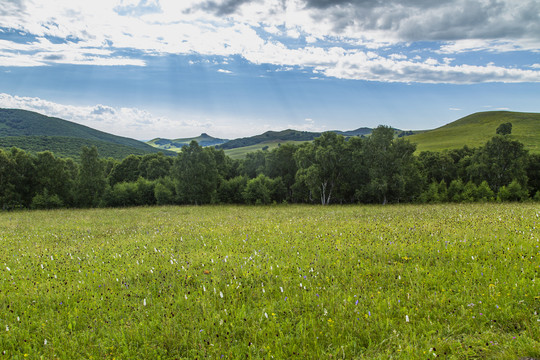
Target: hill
(476, 129)
(238, 148)
(270, 136)
(177, 144)
(35, 132)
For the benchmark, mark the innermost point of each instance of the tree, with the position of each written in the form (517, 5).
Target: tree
(499, 162)
(393, 171)
(280, 163)
(196, 175)
(155, 166)
(504, 129)
(53, 177)
(91, 182)
(125, 171)
(321, 165)
(231, 191)
(257, 190)
(513, 192)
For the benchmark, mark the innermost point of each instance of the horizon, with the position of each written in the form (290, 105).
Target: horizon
(145, 69)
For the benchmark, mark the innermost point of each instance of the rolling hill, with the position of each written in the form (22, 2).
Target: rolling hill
(34, 132)
(177, 144)
(476, 129)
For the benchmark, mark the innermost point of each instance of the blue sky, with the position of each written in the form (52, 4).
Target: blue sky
(233, 68)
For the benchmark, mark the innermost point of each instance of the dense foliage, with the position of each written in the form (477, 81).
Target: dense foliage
(332, 169)
(282, 282)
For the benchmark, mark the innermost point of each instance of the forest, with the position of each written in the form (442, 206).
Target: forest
(332, 169)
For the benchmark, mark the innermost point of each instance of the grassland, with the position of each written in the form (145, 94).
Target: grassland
(307, 282)
(476, 129)
(241, 152)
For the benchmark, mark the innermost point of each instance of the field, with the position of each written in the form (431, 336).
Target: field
(282, 282)
(241, 152)
(476, 129)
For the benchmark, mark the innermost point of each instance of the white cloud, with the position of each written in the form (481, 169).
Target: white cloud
(138, 123)
(224, 71)
(93, 32)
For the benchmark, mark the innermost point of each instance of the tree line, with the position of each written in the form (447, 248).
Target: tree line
(332, 169)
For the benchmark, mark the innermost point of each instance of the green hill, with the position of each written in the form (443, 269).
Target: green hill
(34, 132)
(476, 129)
(177, 144)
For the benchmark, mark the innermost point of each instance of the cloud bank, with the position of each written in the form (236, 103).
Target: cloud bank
(390, 41)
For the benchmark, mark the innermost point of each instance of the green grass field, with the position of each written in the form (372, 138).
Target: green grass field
(241, 152)
(282, 282)
(476, 129)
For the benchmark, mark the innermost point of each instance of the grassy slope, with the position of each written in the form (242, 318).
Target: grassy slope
(476, 129)
(288, 282)
(17, 124)
(241, 152)
(69, 147)
(177, 144)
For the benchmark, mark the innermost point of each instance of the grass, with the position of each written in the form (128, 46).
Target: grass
(241, 152)
(311, 282)
(476, 129)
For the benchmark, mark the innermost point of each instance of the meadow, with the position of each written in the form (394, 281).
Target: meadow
(281, 282)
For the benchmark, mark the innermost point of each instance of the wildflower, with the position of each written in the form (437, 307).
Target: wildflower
(406, 318)
(45, 342)
(281, 288)
(144, 302)
(266, 315)
(221, 294)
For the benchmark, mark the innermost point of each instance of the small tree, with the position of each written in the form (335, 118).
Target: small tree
(513, 192)
(504, 129)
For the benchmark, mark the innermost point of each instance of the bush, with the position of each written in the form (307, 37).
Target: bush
(258, 190)
(484, 192)
(513, 192)
(164, 192)
(46, 201)
(455, 191)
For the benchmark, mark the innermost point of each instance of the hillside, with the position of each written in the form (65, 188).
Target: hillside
(476, 129)
(34, 132)
(270, 136)
(177, 144)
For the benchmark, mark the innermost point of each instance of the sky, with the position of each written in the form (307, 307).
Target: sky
(233, 68)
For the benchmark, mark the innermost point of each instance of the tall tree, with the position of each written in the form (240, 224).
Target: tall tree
(91, 182)
(321, 165)
(196, 175)
(499, 162)
(391, 164)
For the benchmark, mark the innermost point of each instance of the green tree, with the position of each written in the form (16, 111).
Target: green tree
(321, 165)
(91, 182)
(155, 166)
(280, 162)
(513, 192)
(125, 171)
(499, 162)
(258, 191)
(504, 129)
(231, 191)
(392, 168)
(196, 175)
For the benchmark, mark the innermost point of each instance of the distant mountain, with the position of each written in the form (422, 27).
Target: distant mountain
(476, 129)
(34, 132)
(274, 137)
(270, 136)
(177, 144)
